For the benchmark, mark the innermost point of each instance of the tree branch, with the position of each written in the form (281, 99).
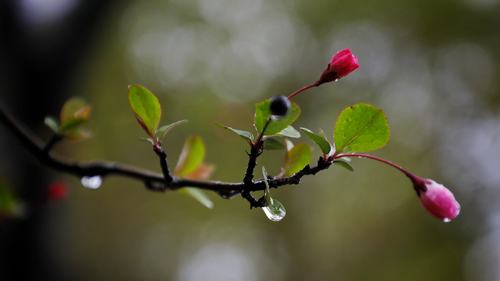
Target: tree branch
(153, 181)
(52, 142)
(163, 162)
(255, 151)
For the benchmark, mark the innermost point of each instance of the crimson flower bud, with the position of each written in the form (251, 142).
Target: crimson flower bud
(341, 64)
(436, 199)
(57, 191)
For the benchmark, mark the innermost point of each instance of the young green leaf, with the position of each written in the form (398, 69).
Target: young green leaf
(146, 108)
(344, 164)
(321, 141)
(78, 134)
(148, 140)
(74, 108)
(71, 125)
(273, 144)
(361, 127)
(191, 157)
(288, 144)
(7, 199)
(290, 132)
(198, 195)
(10, 206)
(190, 165)
(52, 124)
(297, 158)
(165, 129)
(244, 134)
(263, 113)
(74, 113)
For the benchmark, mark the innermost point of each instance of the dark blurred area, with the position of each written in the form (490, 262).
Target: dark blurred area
(43, 45)
(433, 66)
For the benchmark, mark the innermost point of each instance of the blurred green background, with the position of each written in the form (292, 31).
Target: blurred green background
(433, 66)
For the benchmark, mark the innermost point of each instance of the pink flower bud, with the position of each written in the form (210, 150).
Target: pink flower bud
(341, 64)
(437, 199)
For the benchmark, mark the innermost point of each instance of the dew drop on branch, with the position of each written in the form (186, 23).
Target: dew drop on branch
(91, 182)
(274, 211)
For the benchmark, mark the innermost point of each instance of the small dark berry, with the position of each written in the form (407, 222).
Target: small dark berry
(279, 105)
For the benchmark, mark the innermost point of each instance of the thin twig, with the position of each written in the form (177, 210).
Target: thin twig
(255, 152)
(56, 138)
(303, 89)
(158, 149)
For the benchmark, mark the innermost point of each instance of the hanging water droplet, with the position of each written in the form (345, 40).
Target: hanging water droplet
(91, 182)
(275, 211)
(446, 220)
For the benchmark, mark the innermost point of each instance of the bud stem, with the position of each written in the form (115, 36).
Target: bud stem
(379, 159)
(303, 89)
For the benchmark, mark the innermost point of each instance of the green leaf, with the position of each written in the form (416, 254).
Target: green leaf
(78, 134)
(146, 107)
(198, 195)
(10, 206)
(164, 130)
(71, 125)
(190, 165)
(263, 113)
(7, 199)
(192, 156)
(148, 140)
(273, 144)
(344, 164)
(288, 144)
(290, 132)
(297, 158)
(244, 134)
(52, 124)
(361, 127)
(74, 108)
(74, 113)
(320, 140)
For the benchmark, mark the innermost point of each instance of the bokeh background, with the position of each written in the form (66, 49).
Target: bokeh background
(433, 66)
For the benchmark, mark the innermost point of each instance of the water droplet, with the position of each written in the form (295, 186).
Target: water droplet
(446, 220)
(92, 182)
(275, 211)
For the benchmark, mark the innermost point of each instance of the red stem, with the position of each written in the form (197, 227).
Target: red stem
(303, 89)
(376, 158)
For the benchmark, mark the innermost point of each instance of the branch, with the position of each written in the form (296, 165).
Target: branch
(255, 151)
(154, 181)
(163, 162)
